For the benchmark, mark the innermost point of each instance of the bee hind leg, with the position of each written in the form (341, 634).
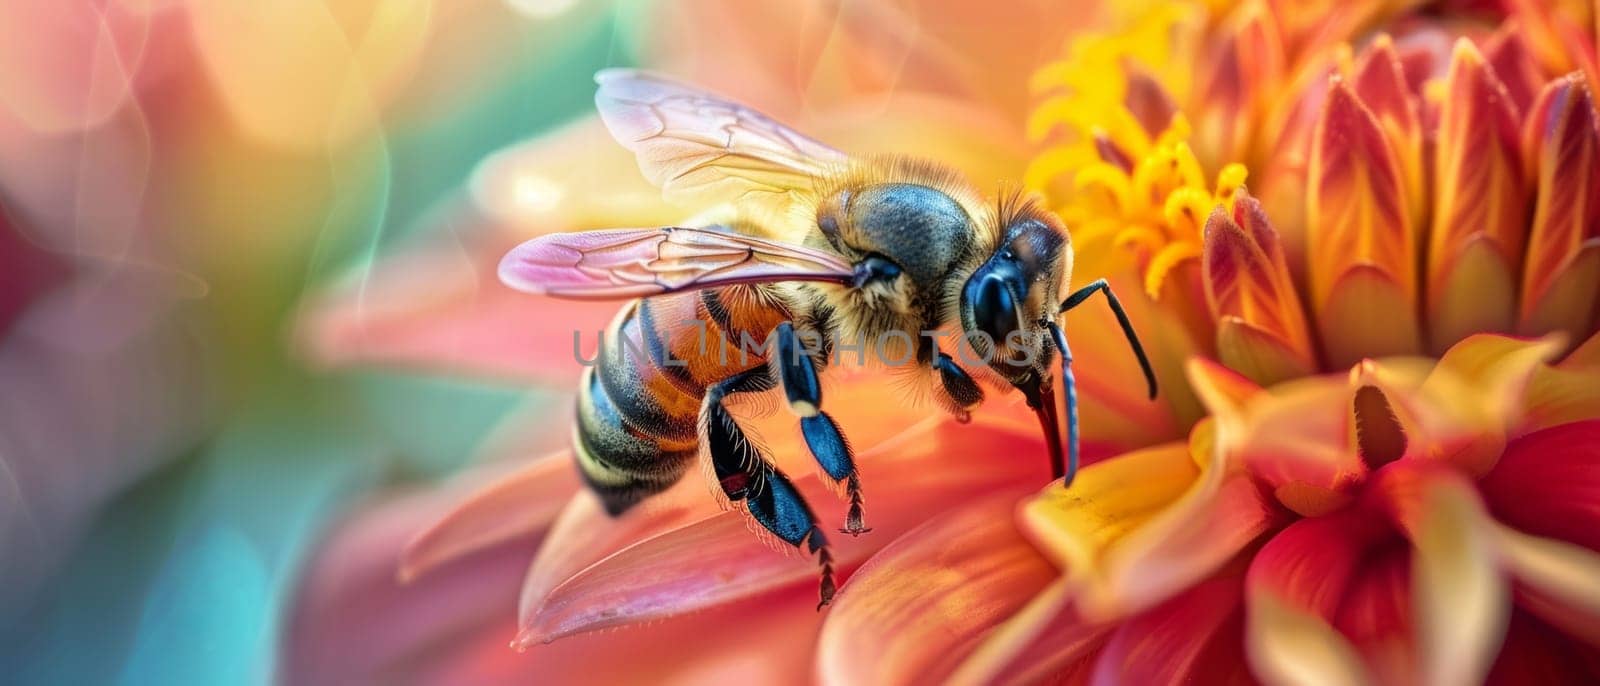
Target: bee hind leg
(746, 475)
(798, 374)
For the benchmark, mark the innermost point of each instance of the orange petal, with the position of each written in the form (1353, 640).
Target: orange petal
(1246, 60)
(584, 534)
(1477, 293)
(1193, 637)
(1121, 414)
(1380, 82)
(1558, 581)
(717, 560)
(1362, 245)
(1295, 437)
(515, 505)
(911, 612)
(1262, 332)
(1562, 272)
(735, 644)
(1479, 225)
(1257, 354)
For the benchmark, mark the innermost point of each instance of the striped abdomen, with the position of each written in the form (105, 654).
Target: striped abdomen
(639, 406)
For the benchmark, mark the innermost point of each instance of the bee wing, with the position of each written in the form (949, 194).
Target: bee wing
(703, 149)
(636, 263)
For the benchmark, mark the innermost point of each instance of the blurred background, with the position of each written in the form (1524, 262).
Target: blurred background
(194, 199)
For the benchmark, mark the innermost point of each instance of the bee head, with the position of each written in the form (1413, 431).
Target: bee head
(1008, 299)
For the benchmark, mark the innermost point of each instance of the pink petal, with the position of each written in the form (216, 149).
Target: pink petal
(517, 504)
(869, 408)
(769, 642)
(919, 605)
(438, 306)
(1196, 636)
(353, 619)
(718, 560)
(1046, 639)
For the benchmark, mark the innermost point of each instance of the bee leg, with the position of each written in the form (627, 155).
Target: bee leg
(1100, 286)
(798, 374)
(961, 392)
(957, 392)
(1069, 388)
(746, 476)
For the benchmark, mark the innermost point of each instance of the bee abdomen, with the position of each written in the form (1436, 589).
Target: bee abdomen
(639, 408)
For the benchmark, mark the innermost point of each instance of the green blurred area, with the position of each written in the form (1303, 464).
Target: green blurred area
(187, 577)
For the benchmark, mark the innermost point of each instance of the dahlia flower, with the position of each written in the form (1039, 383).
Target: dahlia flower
(1372, 460)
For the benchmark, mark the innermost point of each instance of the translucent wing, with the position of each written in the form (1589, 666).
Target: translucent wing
(702, 149)
(635, 263)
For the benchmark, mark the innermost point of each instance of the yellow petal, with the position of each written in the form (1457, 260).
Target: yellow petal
(1567, 392)
(1561, 580)
(1290, 646)
(1366, 315)
(1075, 526)
(1258, 354)
(1476, 294)
(1131, 545)
(1460, 598)
(1473, 399)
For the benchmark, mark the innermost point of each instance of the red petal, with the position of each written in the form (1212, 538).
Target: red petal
(1508, 54)
(1548, 484)
(1376, 616)
(1311, 564)
(911, 613)
(1536, 653)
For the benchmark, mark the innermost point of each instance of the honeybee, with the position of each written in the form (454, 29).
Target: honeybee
(853, 249)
